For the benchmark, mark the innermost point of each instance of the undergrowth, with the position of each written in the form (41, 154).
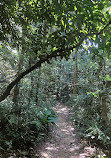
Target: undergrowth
(23, 126)
(88, 121)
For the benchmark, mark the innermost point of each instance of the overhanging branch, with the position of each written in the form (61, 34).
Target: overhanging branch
(58, 52)
(91, 34)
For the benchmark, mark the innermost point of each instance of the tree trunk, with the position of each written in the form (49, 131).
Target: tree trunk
(16, 88)
(105, 109)
(37, 86)
(75, 73)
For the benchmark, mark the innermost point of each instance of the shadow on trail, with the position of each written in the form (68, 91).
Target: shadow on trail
(64, 142)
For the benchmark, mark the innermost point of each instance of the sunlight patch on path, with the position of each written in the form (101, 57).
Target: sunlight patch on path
(64, 142)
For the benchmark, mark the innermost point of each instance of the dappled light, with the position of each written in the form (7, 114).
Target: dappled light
(64, 142)
(55, 79)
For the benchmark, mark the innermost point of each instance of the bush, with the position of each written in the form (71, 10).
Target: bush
(87, 119)
(21, 127)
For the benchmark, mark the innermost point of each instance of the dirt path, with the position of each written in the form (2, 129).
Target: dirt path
(64, 142)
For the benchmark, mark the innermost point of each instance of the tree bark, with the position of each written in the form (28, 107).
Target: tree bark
(37, 81)
(75, 73)
(105, 108)
(16, 88)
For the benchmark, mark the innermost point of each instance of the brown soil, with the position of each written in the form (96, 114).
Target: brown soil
(64, 142)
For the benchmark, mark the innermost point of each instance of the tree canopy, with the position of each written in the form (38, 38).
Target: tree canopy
(50, 28)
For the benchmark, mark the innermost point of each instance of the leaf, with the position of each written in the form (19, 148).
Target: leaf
(48, 112)
(75, 8)
(54, 48)
(52, 119)
(2, 148)
(107, 78)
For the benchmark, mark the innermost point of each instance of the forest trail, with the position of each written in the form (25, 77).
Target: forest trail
(64, 142)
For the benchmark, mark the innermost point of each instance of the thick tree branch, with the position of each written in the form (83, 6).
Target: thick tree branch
(101, 31)
(91, 34)
(58, 52)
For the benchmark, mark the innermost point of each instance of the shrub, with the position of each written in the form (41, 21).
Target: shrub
(87, 119)
(20, 128)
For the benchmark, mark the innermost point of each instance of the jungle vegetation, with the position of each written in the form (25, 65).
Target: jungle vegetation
(54, 50)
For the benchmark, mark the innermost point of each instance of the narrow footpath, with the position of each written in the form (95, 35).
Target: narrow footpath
(64, 142)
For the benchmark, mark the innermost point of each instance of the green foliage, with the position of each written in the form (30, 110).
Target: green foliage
(37, 30)
(22, 128)
(88, 121)
(93, 85)
(95, 133)
(57, 24)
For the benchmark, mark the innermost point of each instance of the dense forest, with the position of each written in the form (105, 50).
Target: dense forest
(50, 51)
